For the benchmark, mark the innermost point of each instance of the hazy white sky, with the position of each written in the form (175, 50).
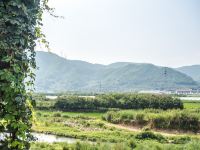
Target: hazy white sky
(163, 32)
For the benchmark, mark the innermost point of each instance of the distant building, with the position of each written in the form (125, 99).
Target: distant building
(155, 92)
(173, 91)
(187, 91)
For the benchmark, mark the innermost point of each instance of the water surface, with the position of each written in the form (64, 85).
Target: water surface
(48, 138)
(190, 98)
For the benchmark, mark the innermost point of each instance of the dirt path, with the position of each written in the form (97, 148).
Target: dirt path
(162, 132)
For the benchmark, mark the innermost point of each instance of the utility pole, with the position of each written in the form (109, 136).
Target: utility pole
(165, 78)
(165, 72)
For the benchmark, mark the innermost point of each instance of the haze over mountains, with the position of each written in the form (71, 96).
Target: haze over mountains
(58, 74)
(192, 71)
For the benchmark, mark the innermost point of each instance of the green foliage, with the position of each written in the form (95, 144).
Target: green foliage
(20, 22)
(122, 101)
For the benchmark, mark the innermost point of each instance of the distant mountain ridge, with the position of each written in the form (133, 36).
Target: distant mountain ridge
(192, 71)
(58, 74)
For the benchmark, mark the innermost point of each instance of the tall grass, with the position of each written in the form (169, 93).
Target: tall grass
(171, 119)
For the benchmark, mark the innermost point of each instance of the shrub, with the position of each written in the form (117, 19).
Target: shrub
(57, 114)
(108, 116)
(150, 135)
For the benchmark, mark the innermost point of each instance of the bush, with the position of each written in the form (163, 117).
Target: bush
(110, 117)
(57, 114)
(150, 136)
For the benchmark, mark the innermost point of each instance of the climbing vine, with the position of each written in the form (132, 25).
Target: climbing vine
(20, 29)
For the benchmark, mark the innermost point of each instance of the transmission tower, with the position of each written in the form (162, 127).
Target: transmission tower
(165, 77)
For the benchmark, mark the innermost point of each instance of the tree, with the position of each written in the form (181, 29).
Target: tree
(20, 29)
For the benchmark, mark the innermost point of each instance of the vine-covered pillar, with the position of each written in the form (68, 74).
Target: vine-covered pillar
(19, 30)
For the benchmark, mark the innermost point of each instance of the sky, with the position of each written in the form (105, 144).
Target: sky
(162, 32)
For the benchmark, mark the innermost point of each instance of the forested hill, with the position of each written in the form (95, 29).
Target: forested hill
(59, 74)
(193, 71)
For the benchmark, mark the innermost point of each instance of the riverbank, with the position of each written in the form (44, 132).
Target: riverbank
(91, 131)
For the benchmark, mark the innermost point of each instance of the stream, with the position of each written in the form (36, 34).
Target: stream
(49, 138)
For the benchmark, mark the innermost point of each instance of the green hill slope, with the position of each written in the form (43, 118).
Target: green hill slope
(58, 74)
(193, 71)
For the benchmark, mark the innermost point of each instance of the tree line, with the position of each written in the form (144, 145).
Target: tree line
(121, 101)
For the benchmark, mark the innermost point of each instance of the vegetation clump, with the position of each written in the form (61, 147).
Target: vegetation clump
(150, 136)
(122, 101)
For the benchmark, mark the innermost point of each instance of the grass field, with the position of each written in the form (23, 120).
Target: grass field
(192, 104)
(89, 126)
(142, 145)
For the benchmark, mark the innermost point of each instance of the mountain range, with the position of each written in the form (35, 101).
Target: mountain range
(56, 74)
(192, 71)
